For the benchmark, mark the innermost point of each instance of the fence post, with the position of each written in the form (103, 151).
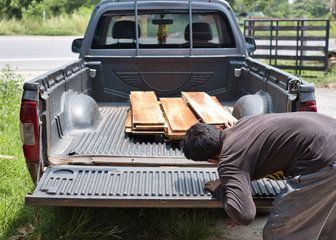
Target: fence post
(303, 42)
(327, 47)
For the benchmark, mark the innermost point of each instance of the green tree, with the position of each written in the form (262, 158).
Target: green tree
(278, 9)
(255, 6)
(12, 8)
(17, 8)
(311, 8)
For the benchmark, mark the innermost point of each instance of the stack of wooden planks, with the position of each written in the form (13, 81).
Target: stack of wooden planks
(172, 117)
(145, 115)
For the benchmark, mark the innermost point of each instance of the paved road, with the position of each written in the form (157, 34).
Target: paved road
(326, 101)
(33, 55)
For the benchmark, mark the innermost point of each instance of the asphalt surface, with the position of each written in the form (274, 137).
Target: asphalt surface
(326, 100)
(36, 53)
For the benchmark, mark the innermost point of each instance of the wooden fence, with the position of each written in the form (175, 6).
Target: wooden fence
(299, 45)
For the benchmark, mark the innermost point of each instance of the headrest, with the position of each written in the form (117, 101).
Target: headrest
(125, 30)
(200, 30)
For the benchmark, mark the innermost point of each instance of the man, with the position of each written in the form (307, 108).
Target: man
(302, 145)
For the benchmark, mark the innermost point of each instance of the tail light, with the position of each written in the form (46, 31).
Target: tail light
(309, 107)
(29, 130)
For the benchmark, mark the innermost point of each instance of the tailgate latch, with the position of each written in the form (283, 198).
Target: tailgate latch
(294, 86)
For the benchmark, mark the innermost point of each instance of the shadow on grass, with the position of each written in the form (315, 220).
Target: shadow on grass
(116, 223)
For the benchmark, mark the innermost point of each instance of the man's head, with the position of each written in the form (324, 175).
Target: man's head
(201, 142)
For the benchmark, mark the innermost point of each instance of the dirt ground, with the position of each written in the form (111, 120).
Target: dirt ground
(252, 232)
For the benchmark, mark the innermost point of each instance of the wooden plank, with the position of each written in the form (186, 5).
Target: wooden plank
(175, 136)
(208, 109)
(128, 123)
(171, 135)
(179, 117)
(128, 130)
(146, 109)
(149, 127)
(135, 132)
(226, 108)
(143, 129)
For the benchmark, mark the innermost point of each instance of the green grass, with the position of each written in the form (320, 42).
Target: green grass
(14, 178)
(319, 79)
(325, 80)
(74, 24)
(16, 219)
(101, 223)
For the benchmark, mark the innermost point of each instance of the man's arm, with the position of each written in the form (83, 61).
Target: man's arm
(236, 197)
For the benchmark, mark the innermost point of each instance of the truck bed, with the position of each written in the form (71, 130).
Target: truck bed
(130, 171)
(109, 143)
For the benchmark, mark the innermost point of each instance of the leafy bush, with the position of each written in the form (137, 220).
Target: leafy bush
(18, 9)
(34, 10)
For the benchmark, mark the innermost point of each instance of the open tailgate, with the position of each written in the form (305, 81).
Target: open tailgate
(165, 187)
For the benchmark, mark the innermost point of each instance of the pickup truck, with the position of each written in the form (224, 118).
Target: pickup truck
(73, 117)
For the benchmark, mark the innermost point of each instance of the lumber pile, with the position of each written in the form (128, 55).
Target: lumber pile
(172, 117)
(146, 114)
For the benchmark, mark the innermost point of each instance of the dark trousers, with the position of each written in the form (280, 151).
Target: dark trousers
(306, 208)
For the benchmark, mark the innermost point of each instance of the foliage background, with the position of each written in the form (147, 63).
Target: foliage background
(70, 17)
(21, 9)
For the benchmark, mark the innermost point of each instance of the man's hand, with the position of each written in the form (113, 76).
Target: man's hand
(230, 123)
(212, 185)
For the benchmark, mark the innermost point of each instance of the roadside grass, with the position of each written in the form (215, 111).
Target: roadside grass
(327, 80)
(14, 179)
(114, 223)
(320, 79)
(17, 220)
(74, 24)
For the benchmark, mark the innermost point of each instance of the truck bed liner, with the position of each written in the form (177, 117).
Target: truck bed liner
(110, 140)
(101, 186)
(137, 178)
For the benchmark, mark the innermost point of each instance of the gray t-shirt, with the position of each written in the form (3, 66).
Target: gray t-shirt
(296, 143)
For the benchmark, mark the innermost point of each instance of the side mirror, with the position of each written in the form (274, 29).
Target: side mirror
(77, 45)
(250, 44)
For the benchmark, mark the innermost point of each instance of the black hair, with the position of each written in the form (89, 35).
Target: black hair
(201, 142)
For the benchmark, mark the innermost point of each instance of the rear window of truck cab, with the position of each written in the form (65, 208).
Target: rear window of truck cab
(163, 29)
